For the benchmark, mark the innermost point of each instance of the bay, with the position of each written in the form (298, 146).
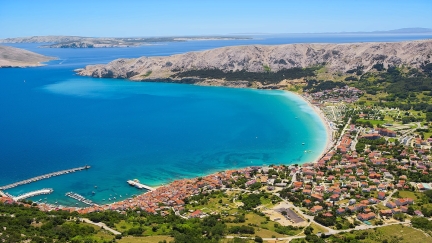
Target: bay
(52, 120)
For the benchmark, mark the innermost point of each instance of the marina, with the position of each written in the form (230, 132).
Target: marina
(138, 185)
(80, 198)
(46, 176)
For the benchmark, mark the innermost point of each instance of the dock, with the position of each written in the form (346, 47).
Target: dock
(139, 185)
(80, 198)
(33, 193)
(46, 176)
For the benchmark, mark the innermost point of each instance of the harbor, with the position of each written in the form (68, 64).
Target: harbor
(46, 176)
(80, 198)
(136, 183)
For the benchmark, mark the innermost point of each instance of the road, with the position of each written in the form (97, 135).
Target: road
(102, 225)
(389, 197)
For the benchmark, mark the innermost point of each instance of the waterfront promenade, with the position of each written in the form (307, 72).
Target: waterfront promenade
(46, 176)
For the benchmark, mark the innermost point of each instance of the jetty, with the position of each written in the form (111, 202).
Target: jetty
(33, 193)
(46, 176)
(80, 198)
(139, 185)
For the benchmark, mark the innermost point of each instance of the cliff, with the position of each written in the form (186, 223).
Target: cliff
(260, 58)
(16, 57)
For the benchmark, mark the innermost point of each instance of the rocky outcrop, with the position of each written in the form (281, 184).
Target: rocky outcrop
(260, 58)
(16, 57)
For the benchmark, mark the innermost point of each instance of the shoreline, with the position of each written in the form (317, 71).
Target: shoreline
(172, 184)
(329, 131)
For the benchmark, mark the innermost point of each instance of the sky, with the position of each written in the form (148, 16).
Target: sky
(128, 18)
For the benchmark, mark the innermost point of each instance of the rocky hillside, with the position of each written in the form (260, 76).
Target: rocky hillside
(16, 57)
(260, 58)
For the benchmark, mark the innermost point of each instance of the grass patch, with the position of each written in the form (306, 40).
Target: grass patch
(373, 122)
(318, 228)
(392, 233)
(146, 74)
(148, 239)
(416, 196)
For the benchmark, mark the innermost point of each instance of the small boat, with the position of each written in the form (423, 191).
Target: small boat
(303, 143)
(93, 192)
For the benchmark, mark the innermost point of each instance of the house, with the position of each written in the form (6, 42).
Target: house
(340, 210)
(381, 195)
(404, 201)
(334, 197)
(307, 202)
(391, 205)
(196, 214)
(316, 209)
(366, 216)
(386, 212)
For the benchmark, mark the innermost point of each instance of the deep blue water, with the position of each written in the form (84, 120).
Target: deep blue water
(51, 119)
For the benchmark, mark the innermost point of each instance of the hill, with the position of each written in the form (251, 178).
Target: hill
(251, 62)
(16, 57)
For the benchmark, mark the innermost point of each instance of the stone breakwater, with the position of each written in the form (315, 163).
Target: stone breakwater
(46, 176)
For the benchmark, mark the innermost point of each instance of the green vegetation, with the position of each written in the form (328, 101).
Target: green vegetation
(388, 234)
(266, 77)
(19, 224)
(314, 85)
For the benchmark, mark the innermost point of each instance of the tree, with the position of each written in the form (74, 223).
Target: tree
(258, 239)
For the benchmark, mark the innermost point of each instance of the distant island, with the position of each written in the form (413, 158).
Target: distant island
(266, 67)
(107, 42)
(16, 57)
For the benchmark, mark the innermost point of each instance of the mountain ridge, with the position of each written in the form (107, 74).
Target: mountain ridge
(264, 58)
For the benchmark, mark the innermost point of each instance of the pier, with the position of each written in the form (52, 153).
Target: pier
(138, 185)
(46, 176)
(80, 198)
(33, 193)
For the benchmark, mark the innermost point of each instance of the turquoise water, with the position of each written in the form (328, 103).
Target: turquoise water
(52, 120)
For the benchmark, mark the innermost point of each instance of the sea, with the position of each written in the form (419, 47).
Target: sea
(52, 120)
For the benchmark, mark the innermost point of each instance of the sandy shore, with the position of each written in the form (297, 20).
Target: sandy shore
(325, 121)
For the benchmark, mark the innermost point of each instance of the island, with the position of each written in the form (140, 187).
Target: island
(16, 57)
(109, 42)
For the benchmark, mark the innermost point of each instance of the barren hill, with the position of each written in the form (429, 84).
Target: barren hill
(261, 58)
(16, 57)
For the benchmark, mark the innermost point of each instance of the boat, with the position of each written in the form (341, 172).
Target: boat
(303, 143)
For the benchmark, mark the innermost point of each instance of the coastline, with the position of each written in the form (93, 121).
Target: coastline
(329, 131)
(163, 187)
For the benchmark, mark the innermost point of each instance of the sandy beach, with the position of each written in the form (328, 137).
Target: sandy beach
(325, 121)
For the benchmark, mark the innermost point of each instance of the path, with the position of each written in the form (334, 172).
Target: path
(102, 225)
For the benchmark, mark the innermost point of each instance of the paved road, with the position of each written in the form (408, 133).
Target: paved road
(102, 225)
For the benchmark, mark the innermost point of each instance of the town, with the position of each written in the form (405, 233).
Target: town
(375, 174)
